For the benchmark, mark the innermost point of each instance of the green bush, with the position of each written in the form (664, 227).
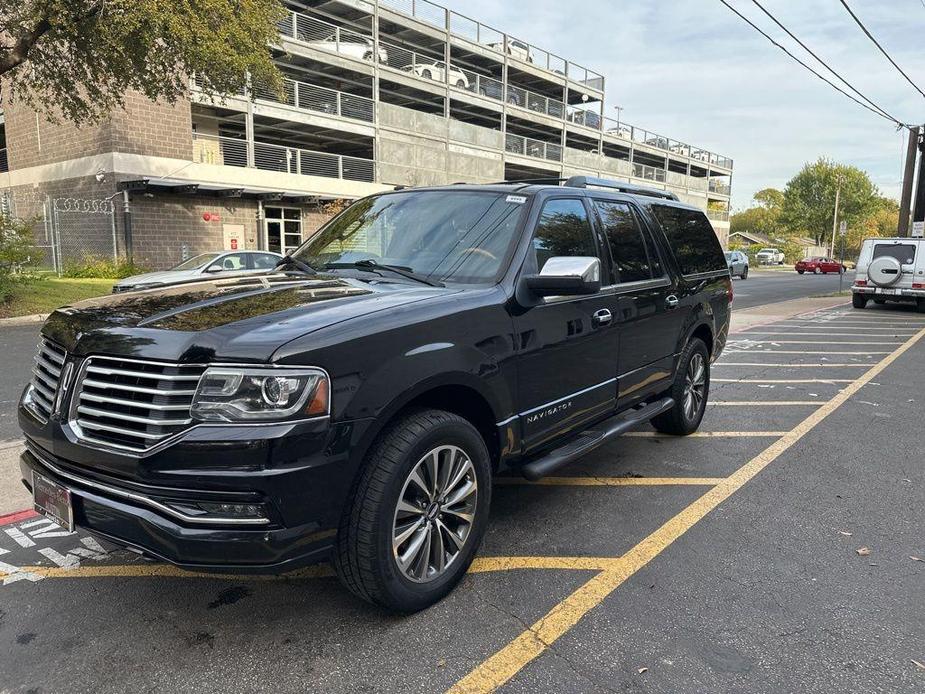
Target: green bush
(102, 267)
(16, 239)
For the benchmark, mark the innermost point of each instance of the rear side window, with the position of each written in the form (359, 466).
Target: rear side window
(903, 252)
(563, 230)
(692, 239)
(631, 262)
(264, 261)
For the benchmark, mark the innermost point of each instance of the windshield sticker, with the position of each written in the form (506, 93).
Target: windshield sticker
(519, 199)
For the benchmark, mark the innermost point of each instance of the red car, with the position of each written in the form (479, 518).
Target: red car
(819, 266)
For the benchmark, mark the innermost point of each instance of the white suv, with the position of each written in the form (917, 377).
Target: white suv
(770, 256)
(890, 270)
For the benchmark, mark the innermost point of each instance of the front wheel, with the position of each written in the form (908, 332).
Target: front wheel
(418, 513)
(858, 300)
(744, 274)
(817, 270)
(690, 391)
(800, 272)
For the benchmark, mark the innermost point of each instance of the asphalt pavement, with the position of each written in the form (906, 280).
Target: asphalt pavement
(770, 286)
(779, 549)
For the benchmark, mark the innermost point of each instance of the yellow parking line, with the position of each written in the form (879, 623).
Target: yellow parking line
(150, 570)
(764, 403)
(831, 381)
(786, 366)
(613, 481)
(503, 665)
(704, 434)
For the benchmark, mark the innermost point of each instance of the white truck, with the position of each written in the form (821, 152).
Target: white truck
(770, 256)
(890, 269)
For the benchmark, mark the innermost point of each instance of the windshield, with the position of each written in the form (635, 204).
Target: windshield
(460, 236)
(768, 250)
(196, 261)
(729, 256)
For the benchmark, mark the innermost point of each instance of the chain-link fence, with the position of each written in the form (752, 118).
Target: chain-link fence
(77, 231)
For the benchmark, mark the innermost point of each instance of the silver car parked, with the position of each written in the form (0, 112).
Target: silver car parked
(738, 264)
(203, 266)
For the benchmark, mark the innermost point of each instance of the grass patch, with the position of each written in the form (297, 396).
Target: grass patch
(46, 294)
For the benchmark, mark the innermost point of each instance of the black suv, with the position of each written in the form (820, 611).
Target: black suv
(354, 404)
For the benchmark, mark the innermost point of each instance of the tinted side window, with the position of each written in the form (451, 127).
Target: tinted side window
(627, 244)
(563, 229)
(692, 239)
(263, 261)
(903, 252)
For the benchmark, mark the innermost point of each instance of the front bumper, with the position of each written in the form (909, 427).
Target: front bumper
(301, 478)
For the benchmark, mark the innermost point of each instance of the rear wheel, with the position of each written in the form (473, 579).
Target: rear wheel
(800, 272)
(744, 274)
(690, 391)
(858, 300)
(418, 513)
(920, 305)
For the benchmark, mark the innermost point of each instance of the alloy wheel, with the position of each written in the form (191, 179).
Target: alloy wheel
(694, 386)
(434, 514)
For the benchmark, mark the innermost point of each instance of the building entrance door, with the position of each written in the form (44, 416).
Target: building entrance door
(283, 228)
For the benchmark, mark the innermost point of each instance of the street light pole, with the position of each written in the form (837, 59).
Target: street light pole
(835, 216)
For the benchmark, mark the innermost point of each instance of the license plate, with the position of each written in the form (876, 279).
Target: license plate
(886, 291)
(52, 501)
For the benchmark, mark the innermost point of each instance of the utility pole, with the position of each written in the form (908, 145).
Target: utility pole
(905, 203)
(918, 214)
(835, 216)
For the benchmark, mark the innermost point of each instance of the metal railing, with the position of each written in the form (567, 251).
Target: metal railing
(481, 84)
(325, 36)
(4, 162)
(649, 173)
(231, 151)
(320, 99)
(632, 133)
(535, 102)
(473, 30)
(718, 215)
(719, 187)
(528, 147)
(585, 117)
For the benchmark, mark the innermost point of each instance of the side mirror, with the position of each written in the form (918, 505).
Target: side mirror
(214, 268)
(567, 276)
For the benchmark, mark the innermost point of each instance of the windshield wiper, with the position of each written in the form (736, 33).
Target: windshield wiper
(373, 266)
(296, 263)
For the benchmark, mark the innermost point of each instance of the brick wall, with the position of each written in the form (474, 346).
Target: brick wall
(154, 128)
(32, 141)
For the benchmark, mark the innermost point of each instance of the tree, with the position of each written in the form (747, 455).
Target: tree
(77, 58)
(883, 221)
(763, 218)
(16, 239)
(809, 199)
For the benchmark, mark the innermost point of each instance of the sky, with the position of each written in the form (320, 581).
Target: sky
(693, 71)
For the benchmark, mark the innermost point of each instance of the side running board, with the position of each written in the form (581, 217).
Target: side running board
(588, 440)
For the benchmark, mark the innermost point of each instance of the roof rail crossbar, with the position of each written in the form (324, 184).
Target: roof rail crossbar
(548, 181)
(632, 188)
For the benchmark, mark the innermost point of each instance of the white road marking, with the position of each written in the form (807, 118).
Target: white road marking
(92, 544)
(65, 562)
(19, 537)
(40, 521)
(14, 573)
(797, 334)
(791, 351)
(787, 366)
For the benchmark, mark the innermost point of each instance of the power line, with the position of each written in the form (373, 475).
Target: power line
(828, 82)
(789, 33)
(882, 50)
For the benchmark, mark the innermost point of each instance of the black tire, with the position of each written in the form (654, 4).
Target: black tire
(364, 559)
(817, 270)
(460, 84)
(920, 305)
(858, 300)
(676, 421)
(744, 274)
(800, 272)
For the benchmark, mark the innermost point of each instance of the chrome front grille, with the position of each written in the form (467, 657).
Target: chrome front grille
(46, 374)
(132, 404)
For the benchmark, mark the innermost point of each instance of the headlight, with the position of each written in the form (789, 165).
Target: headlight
(238, 394)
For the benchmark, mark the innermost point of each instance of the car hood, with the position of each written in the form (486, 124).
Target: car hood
(243, 320)
(162, 277)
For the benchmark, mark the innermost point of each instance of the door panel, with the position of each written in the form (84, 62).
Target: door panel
(567, 355)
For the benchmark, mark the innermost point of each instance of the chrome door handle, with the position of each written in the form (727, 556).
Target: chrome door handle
(602, 317)
(671, 301)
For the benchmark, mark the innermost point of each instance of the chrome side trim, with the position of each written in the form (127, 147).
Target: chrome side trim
(139, 498)
(570, 395)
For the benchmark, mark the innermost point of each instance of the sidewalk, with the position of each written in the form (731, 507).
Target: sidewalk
(14, 496)
(768, 313)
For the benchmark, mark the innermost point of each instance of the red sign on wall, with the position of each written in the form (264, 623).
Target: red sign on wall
(234, 244)
(211, 217)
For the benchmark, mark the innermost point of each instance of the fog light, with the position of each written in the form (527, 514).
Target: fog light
(206, 510)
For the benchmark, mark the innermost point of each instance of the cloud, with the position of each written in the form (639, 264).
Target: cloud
(695, 72)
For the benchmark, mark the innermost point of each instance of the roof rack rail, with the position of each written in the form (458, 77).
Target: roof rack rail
(546, 181)
(591, 181)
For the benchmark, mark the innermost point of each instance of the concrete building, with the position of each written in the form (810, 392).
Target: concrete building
(377, 94)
